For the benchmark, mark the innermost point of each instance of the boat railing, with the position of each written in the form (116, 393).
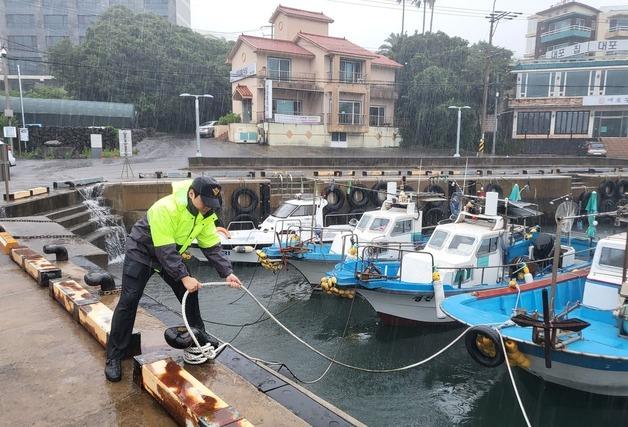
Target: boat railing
(250, 225)
(370, 255)
(341, 218)
(299, 235)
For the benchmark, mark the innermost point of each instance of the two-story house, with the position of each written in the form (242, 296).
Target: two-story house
(573, 83)
(304, 87)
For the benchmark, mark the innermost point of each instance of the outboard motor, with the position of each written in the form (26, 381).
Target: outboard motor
(543, 247)
(179, 337)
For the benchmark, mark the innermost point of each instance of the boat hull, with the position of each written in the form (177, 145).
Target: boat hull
(312, 270)
(401, 308)
(230, 254)
(581, 372)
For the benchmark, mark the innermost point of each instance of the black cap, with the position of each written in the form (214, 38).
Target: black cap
(209, 190)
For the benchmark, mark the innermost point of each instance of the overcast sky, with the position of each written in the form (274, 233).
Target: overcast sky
(369, 22)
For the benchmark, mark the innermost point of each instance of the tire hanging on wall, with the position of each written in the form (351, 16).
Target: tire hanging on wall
(481, 333)
(433, 216)
(584, 201)
(242, 207)
(338, 194)
(358, 198)
(621, 188)
(606, 189)
(377, 191)
(496, 188)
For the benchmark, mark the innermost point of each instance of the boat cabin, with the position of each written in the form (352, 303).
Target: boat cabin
(601, 289)
(302, 211)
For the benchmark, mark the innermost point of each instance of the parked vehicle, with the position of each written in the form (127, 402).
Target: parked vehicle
(207, 129)
(597, 149)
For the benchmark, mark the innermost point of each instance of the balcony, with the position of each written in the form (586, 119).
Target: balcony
(617, 32)
(381, 121)
(383, 92)
(291, 80)
(571, 31)
(297, 119)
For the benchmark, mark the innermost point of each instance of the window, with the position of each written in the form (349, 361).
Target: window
(488, 246)
(558, 25)
(339, 136)
(618, 23)
(610, 123)
(533, 123)
(304, 210)
(379, 224)
(612, 257)
(376, 115)
(20, 20)
(364, 221)
(461, 245)
(287, 106)
(51, 41)
(616, 82)
(537, 85)
(55, 4)
(570, 122)
(32, 66)
(576, 83)
(278, 68)
(90, 6)
(402, 226)
(284, 210)
(350, 71)
(21, 44)
(350, 112)
(56, 22)
(437, 239)
(85, 21)
(158, 7)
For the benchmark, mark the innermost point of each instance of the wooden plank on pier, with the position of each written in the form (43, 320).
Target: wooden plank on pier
(7, 242)
(35, 265)
(187, 400)
(90, 313)
(39, 190)
(16, 195)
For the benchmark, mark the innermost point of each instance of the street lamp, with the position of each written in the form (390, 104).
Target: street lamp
(198, 132)
(453, 107)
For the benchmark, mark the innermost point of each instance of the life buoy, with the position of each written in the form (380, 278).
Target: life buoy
(378, 193)
(496, 188)
(245, 194)
(335, 198)
(358, 198)
(621, 188)
(606, 189)
(483, 344)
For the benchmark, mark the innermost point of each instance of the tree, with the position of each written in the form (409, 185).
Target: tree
(145, 60)
(48, 92)
(440, 71)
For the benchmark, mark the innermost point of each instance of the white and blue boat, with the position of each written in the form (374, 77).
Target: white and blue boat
(475, 252)
(573, 333)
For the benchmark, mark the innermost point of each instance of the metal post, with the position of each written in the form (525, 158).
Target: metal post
(19, 80)
(623, 274)
(198, 131)
(555, 262)
(4, 158)
(487, 66)
(403, 14)
(7, 91)
(458, 134)
(496, 115)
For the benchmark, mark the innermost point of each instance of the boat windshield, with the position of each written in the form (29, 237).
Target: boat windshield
(284, 210)
(364, 222)
(461, 245)
(379, 224)
(612, 257)
(438, 239)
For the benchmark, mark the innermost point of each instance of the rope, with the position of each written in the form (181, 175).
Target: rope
(512, 380)
(212, 355)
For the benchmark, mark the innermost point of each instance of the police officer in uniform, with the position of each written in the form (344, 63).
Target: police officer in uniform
(156, 244)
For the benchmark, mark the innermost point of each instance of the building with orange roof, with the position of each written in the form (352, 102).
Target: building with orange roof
(304, 87)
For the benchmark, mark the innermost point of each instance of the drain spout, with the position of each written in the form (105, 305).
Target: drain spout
(105, 280)
(60, 251)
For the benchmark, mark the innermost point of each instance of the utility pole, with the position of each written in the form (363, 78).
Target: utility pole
(493, 18)
(424, 12)
(8, 112)
(496, 114)
(403, 14)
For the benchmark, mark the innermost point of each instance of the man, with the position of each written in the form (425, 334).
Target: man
(156, 244)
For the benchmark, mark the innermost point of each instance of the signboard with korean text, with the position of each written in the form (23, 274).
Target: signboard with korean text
(268, 99)
(605, 100)
(299, 120)
(126, 144)
(242, 73)
(10, 132)
(24, 134)
(587, 47)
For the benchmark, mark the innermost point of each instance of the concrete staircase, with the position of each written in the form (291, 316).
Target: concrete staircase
(616, 147)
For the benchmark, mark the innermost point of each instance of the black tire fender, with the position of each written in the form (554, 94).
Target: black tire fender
(606, 189)
(358, 198)
(246, 193)
(621, 188)
(244, 217)
(433, 215)
(338, 194)
(496, 188)
(470, 342)
(375, 193)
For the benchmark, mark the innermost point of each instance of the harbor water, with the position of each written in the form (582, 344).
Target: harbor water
(449, 390)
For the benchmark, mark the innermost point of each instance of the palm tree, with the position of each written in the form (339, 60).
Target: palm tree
(403, 13)
(390, 45)
(431, 3)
